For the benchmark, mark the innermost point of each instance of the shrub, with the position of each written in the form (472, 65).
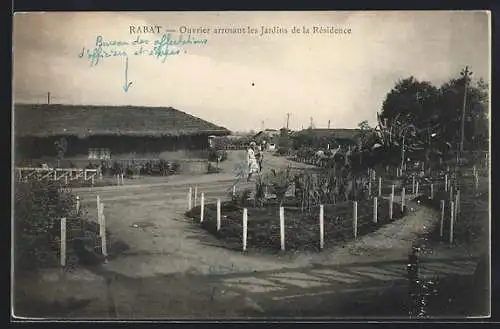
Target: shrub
(38, 209)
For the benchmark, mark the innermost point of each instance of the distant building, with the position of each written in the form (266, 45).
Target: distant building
(269, 137)
(95, 133)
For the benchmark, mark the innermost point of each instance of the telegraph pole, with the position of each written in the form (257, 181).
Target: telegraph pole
(287, 120)
(466, 74)
(328, 124)
(48, 97)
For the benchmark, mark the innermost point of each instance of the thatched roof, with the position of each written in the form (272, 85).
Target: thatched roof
(345, 134)
(42, 120)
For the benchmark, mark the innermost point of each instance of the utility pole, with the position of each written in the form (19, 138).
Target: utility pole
(311, 124)
(287, 120)
(466, 74)
(48, 97)
(262, 125)
(328, 124)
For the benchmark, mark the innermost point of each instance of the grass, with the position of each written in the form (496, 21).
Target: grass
(472, 222)
(301, 230)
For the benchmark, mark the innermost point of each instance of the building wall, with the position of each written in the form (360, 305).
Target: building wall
(120, 147)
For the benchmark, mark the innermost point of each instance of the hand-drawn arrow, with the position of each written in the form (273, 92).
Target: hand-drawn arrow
(127, 84)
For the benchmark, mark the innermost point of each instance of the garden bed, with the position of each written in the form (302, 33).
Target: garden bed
(301, 229)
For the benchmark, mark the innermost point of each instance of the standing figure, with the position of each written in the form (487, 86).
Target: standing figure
(260, 155)
(253, 166)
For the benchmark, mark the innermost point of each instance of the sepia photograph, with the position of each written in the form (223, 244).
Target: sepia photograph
(295, 165)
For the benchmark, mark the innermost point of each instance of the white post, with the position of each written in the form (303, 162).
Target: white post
(446, 183)
(102, 232)
(457, 203)
(369, 187)
(55, 174)
(190, 200)
(474, 171)
(476, 182)
(380, 186)
(218, 215)
(451, 193)
(123, 181)
(416, 188)
(375, 209)
(442, 219)
(195, 195)
(98, 209)
(432, 191)
(77, 204)
(321, 227)
(63, 242)
(85, 174)
(245, 228)
(234, 190)
(65, 180)
(391, 202)
(452, 218)
(282, 228)
(403, 197)
(202, 206)
(413, 185)
(355, 218)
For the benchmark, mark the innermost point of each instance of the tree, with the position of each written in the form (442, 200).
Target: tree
(61, 148)
(435, 114)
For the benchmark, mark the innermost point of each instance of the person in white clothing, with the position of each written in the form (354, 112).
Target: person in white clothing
(253, 166)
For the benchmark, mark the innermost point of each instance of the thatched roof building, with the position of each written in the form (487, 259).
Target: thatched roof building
(103, 132)
(43, 120)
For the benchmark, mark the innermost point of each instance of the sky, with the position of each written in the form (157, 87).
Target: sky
(246, 81)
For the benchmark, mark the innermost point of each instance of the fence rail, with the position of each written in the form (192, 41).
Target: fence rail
(24, 174)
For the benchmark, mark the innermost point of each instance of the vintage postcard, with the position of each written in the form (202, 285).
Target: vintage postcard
(236, 165)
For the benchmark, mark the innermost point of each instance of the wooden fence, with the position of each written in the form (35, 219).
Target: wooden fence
(24, 174)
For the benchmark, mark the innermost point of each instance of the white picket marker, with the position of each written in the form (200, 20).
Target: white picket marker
(122, 177)
(452, 219)
(457, 203)
(190, 198)
(369, 187)
(85, 175)
(451, 193)
(245, 228)
(391, 202)
(413, 185)
(195, 195)
(442, 219)
(282, 228)
(432, 191)
(65, 180)
(355, 218)
(102, 232)
(98, 209)
(446, 183)
(234, 190)
(321, 227)
(380, 186)
(218, 215)
(476, 182)
(55, 174)
(77, 204)
(202, 206)
(375, 209)
(63, 242)
(416, 188)
(474, 171)
(403, 199)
